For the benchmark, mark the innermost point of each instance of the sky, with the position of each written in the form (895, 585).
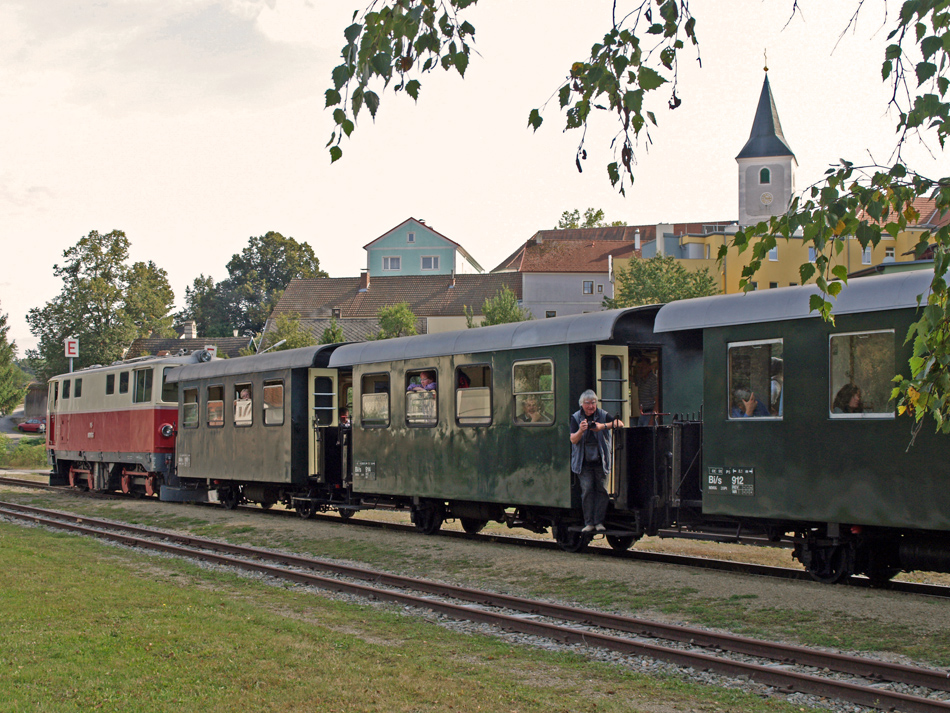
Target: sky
(193, 125)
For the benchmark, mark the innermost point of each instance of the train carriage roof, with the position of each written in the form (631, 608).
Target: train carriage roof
(304, 357)
(865, 294)
(572, 329)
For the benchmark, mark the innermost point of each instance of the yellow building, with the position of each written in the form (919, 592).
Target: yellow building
(766, 167)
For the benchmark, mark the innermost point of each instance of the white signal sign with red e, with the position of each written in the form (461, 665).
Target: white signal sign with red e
(72, 347)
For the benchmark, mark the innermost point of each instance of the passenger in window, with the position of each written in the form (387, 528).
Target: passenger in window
(590, 458)
(463, 381)
(533, 411)
(427, 379)
(777, 386)
(848, 400)
(647, 389)
(345, 418)
(745, 405)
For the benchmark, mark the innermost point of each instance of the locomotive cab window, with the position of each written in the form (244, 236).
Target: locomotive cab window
(473, 395)
(142, 390)
(124, 382)
(78, 391)
(274, 403)
(169, 391)
(374, 400)
(66, 383)
(756, 380)
(214, 409)
(243, 405)
(422, 398)
(862, 365)
(189, 408)
(110, 384)
(532, 386)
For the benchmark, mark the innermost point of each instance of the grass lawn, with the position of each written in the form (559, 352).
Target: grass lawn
(90, 627)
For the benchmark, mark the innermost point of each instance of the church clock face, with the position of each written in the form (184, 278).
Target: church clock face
(765, 198)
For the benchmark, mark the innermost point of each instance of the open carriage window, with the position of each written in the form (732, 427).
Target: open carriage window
(532, 386)
(422, 397)
(862, 366)
(189, 408)
(473, 395)
(756, 380)
(374, 400)
(274, 403)
(243, 405)
(215, 406)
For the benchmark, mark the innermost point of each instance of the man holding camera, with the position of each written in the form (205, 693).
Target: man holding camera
(590, 458)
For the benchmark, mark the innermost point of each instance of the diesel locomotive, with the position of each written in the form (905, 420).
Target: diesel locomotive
(774, 423)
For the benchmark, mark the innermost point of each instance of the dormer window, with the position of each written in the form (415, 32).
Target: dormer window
(411, 238)
(765, 177)
(337, 313)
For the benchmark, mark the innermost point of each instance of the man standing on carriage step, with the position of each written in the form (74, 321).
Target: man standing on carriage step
(590, 457)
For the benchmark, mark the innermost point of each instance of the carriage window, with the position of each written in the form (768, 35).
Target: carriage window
(323, 396)
(756, 380)
(532, 386)
(124, 382)
(169, 391)
(243, 405)
(214, 414)
(78, 388)
(274, 403)
(473, 395)
(142, 392)
(374, 400)
(189, 408)
(110, 384)
(66, 384)
(422, 398)
(862, 366)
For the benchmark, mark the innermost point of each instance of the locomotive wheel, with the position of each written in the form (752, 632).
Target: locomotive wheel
(230, 498)
(428, 518)
(346, 513)
(266, 505)
(305, 509)
(570, 541)
(829, 565)
(472, 525)
(621, 543)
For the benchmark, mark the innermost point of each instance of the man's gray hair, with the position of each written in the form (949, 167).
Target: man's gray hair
(588, 395)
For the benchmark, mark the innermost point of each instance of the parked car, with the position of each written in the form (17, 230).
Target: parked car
(33, 425)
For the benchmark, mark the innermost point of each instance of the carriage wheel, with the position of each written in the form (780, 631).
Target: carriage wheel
(472, 525)
(428, 517)
(568, 540)
(305, 509)
(230, 497)
(621, 543)
(829, 565)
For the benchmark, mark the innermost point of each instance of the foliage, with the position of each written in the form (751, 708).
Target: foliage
(659, 280)
(98, 304)
(287, 327)
(257, 277)
(332, 334)
(150, 301)
(637, 56)
(397, 320)
(12, 379)
(501, 308)
(571, 219)
(26, 453)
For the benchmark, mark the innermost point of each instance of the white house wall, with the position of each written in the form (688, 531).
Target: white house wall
(563, 293)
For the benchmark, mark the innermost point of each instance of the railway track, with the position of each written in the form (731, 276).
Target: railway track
(511, 540)
(858, 680)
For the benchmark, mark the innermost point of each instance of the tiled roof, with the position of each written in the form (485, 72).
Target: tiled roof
(358, 329)
(227, 346)
(930, 218)
(427, 295)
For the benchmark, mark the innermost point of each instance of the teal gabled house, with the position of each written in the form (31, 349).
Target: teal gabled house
(413, 248)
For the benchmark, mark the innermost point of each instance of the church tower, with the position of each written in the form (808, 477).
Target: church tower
(766, 165)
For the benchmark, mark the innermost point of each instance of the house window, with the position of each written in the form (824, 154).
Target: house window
(393, 263)
(430, 262)
(189, 409)
(756, 379)
(773, 285)
(755, 285)
(773, 254)
(411, 238)
(811, 255)
(588, 287)
(600, 288)
(793, 284)
(765, 177)
(550, 313)
(866, 256)
(861, 369)
(888, 253)
(374, 400)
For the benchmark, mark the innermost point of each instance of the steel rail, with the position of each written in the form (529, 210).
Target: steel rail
(875, 670)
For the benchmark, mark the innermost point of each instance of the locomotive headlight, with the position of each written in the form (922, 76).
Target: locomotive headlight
(167, 430)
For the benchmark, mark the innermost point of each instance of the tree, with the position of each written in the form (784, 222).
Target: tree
(93, 306)
(150, 300)
(287, 329)
(207, 305)
(332, 334)
(12, 379)
(397, 320)
(659, 280)
(501, 308)
(571, 219)
(638, 55)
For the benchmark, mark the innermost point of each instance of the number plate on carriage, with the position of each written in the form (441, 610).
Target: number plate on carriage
(364, 469)
(730, 481)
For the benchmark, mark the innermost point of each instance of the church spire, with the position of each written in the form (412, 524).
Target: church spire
(766, 138)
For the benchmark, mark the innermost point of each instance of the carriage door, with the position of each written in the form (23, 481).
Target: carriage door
(322, 403)
(613, 390)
